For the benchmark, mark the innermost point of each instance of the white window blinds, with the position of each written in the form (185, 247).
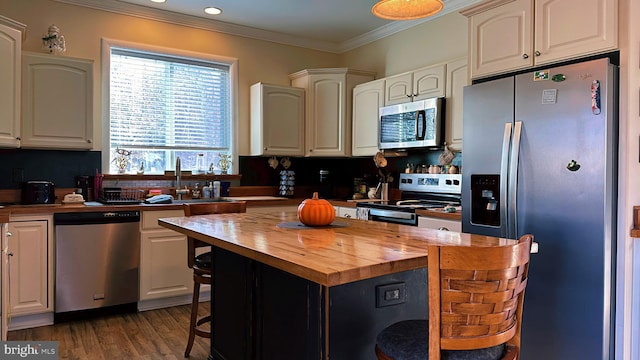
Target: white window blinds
(164, 102)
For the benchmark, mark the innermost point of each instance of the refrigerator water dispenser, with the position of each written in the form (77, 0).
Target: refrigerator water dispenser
(485, 200)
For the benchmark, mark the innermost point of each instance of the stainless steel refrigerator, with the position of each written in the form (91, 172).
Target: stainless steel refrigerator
(540, 156)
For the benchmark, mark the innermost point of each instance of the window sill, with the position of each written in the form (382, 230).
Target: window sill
(185, 177)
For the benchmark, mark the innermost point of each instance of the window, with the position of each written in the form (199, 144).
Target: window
(163, 105)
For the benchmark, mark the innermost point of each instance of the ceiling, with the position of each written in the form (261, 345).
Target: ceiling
(329, 25)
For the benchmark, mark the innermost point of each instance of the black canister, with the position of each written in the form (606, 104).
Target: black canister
(326, 185)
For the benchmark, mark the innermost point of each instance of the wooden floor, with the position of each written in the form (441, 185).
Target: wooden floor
(154, 334)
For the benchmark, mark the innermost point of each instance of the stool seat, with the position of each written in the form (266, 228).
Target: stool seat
(476, 297)
(409, 340)
(203, 261)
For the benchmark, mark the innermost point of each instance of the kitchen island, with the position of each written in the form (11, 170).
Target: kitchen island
(282, 291)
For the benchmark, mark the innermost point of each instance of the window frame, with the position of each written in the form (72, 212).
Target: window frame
(107, 44)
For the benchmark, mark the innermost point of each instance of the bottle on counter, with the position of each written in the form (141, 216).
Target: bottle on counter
(216, 189)
(206, 191)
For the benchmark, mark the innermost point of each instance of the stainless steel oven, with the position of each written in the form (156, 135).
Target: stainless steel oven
(419, 191)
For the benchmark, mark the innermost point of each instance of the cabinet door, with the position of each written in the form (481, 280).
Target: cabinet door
(277, 120)
(10, 45)
(457, 79)
(29, 267)
(572, 28)
(367, 100)
(163, 265)
(163, 258)
(436, 223)
(429, 82)
(326, 124)
(502, 38)
(4, 283)
(398, 89)
(345, 212)
(57, 102)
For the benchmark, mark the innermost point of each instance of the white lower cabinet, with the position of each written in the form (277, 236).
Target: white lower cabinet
(437, 223)
(4, 281)
(30, 273)
(163, 261)
(345, 212)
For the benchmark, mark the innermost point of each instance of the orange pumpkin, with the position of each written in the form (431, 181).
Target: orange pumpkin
(316, 212)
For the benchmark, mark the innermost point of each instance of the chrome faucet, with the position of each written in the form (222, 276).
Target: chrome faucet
(179, 191)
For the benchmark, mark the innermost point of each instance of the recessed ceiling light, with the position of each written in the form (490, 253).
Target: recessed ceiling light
(212, 10)
(158, 1)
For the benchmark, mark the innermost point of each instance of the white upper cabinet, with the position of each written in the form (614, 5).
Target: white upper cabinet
(10, 50)
(457, 79)
(277, 120)
(423, 83)
(508, 35)
(57, 102)
(328, 98)
(367, 100)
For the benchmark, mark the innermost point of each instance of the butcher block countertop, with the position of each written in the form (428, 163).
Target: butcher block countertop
(348, 251)
(252, 201)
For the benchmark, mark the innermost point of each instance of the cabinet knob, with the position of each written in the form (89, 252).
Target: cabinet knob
(9, 234)
(443, 228)
(265, 149)
(409, 95)
(10, 254)
(310, 150)
(537, 53)
(525, 56)
(18, 138)
(347, 215)
(89, 141)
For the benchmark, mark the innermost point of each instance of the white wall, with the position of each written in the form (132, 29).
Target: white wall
(84, 27)
(431, 42)
(628, 289)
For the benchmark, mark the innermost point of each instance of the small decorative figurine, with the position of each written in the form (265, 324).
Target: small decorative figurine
(121, 160)
(53, 41)
(224, 163)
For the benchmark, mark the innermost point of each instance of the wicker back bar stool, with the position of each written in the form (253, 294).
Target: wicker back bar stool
(202, 264)
(476, 297)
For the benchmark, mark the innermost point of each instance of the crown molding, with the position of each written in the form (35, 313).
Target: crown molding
(129, 9)
(15, 25)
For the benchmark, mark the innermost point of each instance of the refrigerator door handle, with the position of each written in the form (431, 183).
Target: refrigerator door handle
(512, 216)
(504, 169)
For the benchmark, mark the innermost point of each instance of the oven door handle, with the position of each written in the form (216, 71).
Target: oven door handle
(392, 214)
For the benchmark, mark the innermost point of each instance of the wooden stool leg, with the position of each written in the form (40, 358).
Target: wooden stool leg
(194, 315)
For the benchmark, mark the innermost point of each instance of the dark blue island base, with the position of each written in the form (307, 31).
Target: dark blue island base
(262, 313)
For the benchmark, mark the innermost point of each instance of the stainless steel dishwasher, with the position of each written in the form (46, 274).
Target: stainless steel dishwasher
(97, 260)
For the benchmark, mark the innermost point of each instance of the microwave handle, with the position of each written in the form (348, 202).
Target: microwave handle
(421, 116)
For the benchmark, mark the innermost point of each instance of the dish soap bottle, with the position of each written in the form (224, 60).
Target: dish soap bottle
(216, 190)
(206, 191)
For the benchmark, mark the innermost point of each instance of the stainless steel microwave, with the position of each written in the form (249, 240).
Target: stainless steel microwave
(412, 125)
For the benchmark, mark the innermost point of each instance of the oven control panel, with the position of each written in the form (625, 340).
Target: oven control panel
(435, 183)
